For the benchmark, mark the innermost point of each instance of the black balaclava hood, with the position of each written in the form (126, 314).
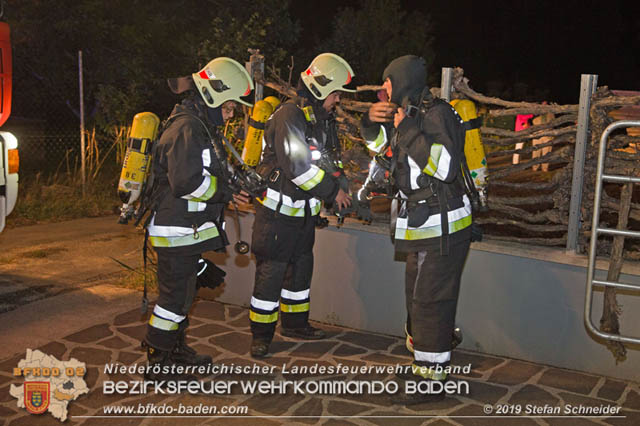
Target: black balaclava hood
(183, 84)
(408, 75)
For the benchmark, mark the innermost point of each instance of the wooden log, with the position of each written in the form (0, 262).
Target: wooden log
(570, 130)
(551, 215)
(561, 241)
(561, 156)
(529, 186)
(533, 130)
(556, 141)
(518, 224)
(523, 201)
(609, 323)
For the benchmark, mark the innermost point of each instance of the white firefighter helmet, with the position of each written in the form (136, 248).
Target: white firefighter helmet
(327, 73)
(221, 80)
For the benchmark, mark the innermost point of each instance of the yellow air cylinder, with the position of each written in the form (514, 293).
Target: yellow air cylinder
(137, 161)
(253, 141)
(273, 101)
(473, 148)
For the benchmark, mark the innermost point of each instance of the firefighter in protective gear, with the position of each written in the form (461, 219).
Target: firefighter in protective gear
(301, 162)
(431, 212)
(187, 203)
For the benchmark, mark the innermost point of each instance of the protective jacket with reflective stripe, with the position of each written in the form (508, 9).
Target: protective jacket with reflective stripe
(428, 150)
(292, 161)
(190, 193)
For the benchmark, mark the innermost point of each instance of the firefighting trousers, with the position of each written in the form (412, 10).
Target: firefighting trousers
(284, 265)
(432, 284)
(177, 289)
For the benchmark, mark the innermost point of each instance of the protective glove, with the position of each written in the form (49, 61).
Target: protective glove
(209, 275)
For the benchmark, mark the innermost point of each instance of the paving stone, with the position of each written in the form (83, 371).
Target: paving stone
(136, 332)
(386, 418)
(478, 362)
(612, 389)
(281, 347)
(275, 405)
(379, 358)
(342, 408)
(208, 330)
(277, 361)
(338, 422)
(235, 342)
(348, 350)
(632, 400)
(625, 418)
(574, 400)
(313, 350)
(55, 349)
(132, 317)
(299, 364)
(369, 341)
(207, 311)
(568, 380)
(114, 343)
(205, 349)
(244, 422)
(436, 407)
(97, 399)
(45, 419)
(5, 395)
(570, 421)
(5, 379)
(91, 356)
(91, 376)
(531, 394)
(12, 362)
(128, 358)
(234, 311)
(401, 350)
(6, 412)
(91, 334)
(313, 407)
(485, 392)
(242, 321)
(349, 362)
(111, 422)
(514, 372)
(477, 410)
(74, 409)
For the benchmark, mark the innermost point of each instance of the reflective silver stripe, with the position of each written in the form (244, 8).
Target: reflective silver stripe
(458, 219)
(206, 157)
(379, 142)
(439, 162)
(186, 240)
(414, 173)
(196, 206)
(309, 179)
(205, 191)
(434, 357)
(289, 207)
(295, 295)
(175, 231)
(162, 324)
(161, 312)
(265, 305)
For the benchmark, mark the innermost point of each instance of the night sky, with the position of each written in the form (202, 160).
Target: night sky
(545, 45)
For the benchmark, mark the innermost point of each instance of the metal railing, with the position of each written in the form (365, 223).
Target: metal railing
(597, 230)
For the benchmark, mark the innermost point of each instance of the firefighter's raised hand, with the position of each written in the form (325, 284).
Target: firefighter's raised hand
(382, 112)
(398, 117)
(343, 200)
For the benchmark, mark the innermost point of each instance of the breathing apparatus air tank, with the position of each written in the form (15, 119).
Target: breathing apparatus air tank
(273, 101)
(253, 142)
(137, 162)
(473, 148)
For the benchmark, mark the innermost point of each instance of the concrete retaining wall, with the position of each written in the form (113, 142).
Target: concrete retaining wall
(515, 301)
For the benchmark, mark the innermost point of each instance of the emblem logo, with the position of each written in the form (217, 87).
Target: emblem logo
(36, 397)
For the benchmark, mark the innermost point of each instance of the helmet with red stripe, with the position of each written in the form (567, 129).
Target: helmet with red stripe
(221, 80)
(327, 73)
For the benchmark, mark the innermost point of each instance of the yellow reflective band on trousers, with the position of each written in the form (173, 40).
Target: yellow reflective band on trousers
(434, 158)
(432, 231)
(162, 323)
(314, 181)
(184, 240)
(302, 307)
(213, 186)
(289, 211)
(427, 373)
(266, 319)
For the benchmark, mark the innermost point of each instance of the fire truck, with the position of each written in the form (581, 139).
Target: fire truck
(9, 158)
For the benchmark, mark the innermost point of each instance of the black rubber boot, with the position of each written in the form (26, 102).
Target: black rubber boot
(161, 361)
(304, 333)
(259, 348)
(185, 355)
